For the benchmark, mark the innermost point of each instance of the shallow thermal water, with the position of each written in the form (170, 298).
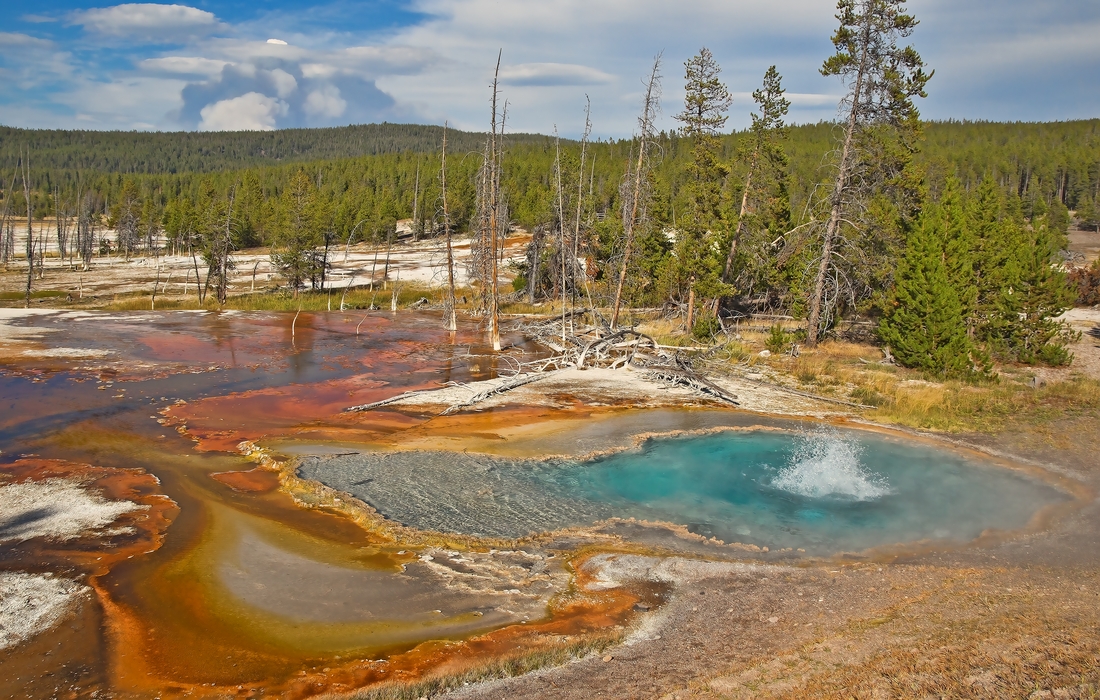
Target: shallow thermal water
(823, 491)
(247, 587)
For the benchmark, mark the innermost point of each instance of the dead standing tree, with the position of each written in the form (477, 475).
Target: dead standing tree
(561, 224)
(491, 219)
(7, 231)
(217, 254)
(635, 203)
(450, 319)
(30, 232)
(578, 269)
(882, 79)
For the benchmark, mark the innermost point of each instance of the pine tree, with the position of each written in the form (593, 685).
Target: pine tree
(298, 233)
(1037, 293)
(704, 115)
(958, 249)
(882, 80)
(925, 325)
(765, 179)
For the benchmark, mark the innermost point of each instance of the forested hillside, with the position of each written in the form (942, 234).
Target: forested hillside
(1059, 160)
(145, 152)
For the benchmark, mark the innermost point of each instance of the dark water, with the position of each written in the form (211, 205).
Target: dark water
(823, 491)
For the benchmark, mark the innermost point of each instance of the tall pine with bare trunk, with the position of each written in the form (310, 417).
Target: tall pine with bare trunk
(880, 125)
(767, 163)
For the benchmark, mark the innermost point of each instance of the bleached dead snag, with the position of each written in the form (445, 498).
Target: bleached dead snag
(692, 381)
(607, 340)
(30, 233)
(513, 383)
(386, 402)
(450, 320)
(652, 98)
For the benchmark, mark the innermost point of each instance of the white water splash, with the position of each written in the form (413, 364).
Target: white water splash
(827, 464)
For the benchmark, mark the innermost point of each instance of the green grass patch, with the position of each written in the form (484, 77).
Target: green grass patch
(37, 294)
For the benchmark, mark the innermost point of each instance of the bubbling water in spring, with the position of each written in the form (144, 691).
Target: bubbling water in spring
(826, 463)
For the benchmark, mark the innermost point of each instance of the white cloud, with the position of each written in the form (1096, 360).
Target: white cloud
(12, 40)
(999, 59)
(325, 102)
(249, 112)
(285, 84)
(609, 46)
(183, 65)
(547, 74)
(149, 21)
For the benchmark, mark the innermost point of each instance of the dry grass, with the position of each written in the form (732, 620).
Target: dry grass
(906, 397)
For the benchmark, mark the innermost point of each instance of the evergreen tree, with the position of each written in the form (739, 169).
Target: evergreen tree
(767, 163)
(704, 115)
(764, 212)
(1088, 213)
(298, 234)
(881, 126)
(958, 249)
(925, 325)
(990, 258)
(1036, 294)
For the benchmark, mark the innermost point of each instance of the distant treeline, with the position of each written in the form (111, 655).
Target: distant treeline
(156, 153)
(1058, 162)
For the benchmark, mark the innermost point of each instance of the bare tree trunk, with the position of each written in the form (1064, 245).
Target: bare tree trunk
(561, 226)
(691, 304)
(389, 248)
(156, 283)
(628, 225)
(737, 231)
(416, 202)
(580, 202)
(451, 320)
(60, 231)
(374, 265)
(494, 205)
(30, 232)
(198, 281)
(7, 242)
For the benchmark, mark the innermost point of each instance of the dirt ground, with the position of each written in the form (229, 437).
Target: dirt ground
(1087, 243)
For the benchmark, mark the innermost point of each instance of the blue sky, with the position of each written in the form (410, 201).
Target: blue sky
(276, 64)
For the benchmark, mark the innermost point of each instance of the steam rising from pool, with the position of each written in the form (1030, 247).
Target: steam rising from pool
(825, 463)
(823, 491)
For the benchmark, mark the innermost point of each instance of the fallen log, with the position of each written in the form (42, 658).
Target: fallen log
(384, 402)
(692, 381)
(513, 383)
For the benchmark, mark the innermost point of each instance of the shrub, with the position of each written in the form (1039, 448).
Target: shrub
(777, 340)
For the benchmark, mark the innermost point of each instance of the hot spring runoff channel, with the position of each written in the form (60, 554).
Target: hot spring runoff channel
(824, 491)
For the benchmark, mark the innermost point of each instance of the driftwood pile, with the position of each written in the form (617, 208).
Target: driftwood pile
(577, 345)
(580, 346)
